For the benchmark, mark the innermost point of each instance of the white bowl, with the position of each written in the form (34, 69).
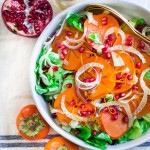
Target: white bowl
(129, 10)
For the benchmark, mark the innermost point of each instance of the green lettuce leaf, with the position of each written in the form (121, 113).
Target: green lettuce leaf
(139, 127)
(74, 20)
(94, 37)
(85, 132)
(137, 21)
(147, 75)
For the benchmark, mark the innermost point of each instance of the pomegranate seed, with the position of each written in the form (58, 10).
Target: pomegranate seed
(31, 21)
(86, 80)
(135, 87)
(24, 28)
(124, 75)
(128, 43)
(91, 79)
(121, 95)
(82, 106)
(117, 96)
(129, 38)
(94, 50)
(108, 55)
(68, 33)
(118, 85)
(138, 65)
(62, 57)
(106, 45)
(19, 21)
(58, 45)
(92, 110)
(114, 117)
(64, 52)
(130, 77)
(118, 76)
(89, 100)
(104, 21)
(92, 44)
(94, 132)
(31, 3)
(69, 85)
(81, 49)
(126, 119)
(54, 115)
(102, 101)
(141, 45)
(76, 132)
(104, 18)
(63, 47)
(55, 68)
(113, 110)
(108, 42)
(110, 37)
(105, 109)
(104, 50)
(73, 102)
(84, 113)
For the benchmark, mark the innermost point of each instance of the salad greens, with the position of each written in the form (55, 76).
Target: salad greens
(137, 21)
(141, 25)
(74, 20)
(50, 80)
(139, 127)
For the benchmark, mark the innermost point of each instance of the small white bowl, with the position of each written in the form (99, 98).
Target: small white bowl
(128, 10)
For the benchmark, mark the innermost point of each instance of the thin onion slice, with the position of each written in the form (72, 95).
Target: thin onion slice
(113, 30)
(128, 49)
(73, 40)
(146, 48)
(145, 30)
(47, 44)
(66, 43)
(142, 82)
(90, 17)
(141, 105)
(68, 114)
(124, 101)
(81, 70)
(56, 111)
(80, 96)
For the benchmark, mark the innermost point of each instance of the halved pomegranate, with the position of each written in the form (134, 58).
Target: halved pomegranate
(26, 17)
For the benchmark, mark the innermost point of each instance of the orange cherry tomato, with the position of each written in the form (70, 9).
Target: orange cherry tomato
(31, 124)
(60, 143)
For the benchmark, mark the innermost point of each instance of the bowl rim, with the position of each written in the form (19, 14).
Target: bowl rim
(32, 79)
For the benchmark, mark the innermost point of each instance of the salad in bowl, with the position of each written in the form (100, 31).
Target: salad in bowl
(93, 76)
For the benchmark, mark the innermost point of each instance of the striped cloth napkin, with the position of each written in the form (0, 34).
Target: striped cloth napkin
(15, 53)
